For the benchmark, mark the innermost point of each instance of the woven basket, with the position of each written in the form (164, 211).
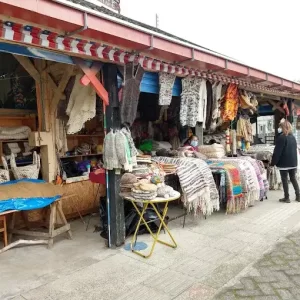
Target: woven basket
(30, 171)
(4, 173)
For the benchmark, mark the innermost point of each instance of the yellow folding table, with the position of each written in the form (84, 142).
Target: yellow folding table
(161, 219)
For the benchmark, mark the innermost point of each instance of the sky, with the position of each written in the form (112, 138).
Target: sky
(263, 34)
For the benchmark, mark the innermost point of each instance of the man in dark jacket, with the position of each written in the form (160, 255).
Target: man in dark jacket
(285, 158)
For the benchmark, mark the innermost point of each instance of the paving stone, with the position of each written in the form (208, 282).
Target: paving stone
(278, 275)
(285, 294)
(170, 282)
(267, 288)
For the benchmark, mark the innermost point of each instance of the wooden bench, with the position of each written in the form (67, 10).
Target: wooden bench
(49, 222)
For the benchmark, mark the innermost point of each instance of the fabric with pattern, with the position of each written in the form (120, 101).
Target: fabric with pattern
(234, 192)
(166, 83)
(200, 193)
(190, 102)
(231, 103)
(248, 177)
(131, 92)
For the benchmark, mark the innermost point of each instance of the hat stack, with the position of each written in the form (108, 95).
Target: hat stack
(143, 190)
(127, 182)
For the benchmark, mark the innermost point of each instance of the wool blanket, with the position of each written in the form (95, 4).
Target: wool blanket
(234, 192)
(200, 193)
(14, 133)
(250, 185)
(260, 180)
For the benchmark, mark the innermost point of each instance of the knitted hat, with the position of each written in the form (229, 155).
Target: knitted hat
(128, 178)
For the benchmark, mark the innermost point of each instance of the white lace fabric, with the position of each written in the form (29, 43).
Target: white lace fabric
(81, 107)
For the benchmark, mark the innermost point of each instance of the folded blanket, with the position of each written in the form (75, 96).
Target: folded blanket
(234, 192)
(14, 133)
(197, 183)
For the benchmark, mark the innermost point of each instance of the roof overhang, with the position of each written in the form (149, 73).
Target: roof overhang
(66, 17)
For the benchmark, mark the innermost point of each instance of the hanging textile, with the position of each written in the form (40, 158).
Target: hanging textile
(81, 106)
(61, 137)
(209, 104)
(202, 115)
(166, 83)
(244, 130)
(110, 157)
(192, 106)
(217, 93)
(131, 92)
(231, 103)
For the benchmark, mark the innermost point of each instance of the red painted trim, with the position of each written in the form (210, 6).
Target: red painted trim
(50, 14)
(100, 90)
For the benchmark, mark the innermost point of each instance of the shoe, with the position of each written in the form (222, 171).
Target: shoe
(298, 198)
(285, 200)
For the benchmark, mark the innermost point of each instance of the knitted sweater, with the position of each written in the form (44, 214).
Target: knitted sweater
(110, 156)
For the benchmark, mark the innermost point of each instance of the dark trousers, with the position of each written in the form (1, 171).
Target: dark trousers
(284, 177)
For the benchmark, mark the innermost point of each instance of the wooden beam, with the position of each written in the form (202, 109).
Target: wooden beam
(99, 88)
(276, 106)
(61, 87)
(53, 86)
(29, 67)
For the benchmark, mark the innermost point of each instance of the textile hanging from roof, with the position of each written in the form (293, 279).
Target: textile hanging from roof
(197, 183)
(166, 83)
(217, 93)
(81, 106)
(193, 101)
(231, 103)
(131, 92)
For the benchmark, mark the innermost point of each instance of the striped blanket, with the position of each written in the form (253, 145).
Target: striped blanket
(234, 193)
(250, 185)
(197, 183)
(258, 173)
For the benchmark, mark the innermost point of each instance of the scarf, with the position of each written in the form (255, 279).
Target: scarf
(200, 193)
(231, 103)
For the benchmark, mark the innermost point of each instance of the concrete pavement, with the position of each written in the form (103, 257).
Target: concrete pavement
(212, 256)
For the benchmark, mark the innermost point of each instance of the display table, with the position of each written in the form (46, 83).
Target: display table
(161, 217)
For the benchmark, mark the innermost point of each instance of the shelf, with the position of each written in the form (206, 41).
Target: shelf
(85, 135)
(12, 141)
(81, 155)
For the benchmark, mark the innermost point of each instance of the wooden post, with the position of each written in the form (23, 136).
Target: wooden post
(199, 133)
(113, 121)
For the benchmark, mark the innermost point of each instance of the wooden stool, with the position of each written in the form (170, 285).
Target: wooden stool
(54, 229)
(3, 229)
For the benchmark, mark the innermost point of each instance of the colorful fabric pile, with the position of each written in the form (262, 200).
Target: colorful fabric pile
(250, 185)
(233, 186)
(259, 176)
(197, 183)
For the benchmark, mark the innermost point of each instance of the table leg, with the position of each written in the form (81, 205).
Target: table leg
(154, 236)
(134, 238)
(5, 231)
(52, 222)
(11, 227)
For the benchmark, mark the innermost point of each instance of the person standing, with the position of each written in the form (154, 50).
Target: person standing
(285, 158)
